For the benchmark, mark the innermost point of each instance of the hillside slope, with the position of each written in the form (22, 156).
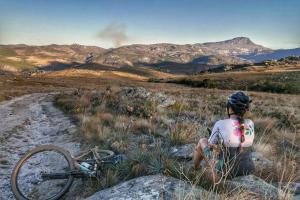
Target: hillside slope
(184, 58)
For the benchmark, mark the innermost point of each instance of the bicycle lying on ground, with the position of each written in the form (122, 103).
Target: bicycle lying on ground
(48, 171)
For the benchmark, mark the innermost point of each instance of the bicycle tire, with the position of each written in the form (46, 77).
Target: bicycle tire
(14, 180)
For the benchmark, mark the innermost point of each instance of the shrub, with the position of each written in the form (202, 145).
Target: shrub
(182, 133)
(90, 127)
(141, 107)
(122, 123)
(142, 126)
(106, 119)
(66, 103)
(178, 108)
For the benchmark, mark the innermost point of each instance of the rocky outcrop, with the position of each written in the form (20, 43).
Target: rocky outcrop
(153, 187)
(139, 92)
(163, 100)
(136, 92)
(255, 185)
(183, 151)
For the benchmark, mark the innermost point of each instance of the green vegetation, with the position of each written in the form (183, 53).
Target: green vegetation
(4, 51)
(284, 82)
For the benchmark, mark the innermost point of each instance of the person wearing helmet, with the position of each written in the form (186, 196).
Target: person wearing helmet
(234, 135)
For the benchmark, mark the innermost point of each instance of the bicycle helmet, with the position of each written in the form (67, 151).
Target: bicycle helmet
(239, 103)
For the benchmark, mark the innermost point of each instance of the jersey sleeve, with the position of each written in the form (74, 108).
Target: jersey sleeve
(215, 134)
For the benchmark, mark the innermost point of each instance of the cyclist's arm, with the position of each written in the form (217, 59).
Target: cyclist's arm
(215, 134)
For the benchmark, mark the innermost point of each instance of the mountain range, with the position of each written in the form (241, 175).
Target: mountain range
(240, 50)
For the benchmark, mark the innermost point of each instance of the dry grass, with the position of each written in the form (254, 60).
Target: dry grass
(185, 122)
(104, 118)
(183, 133)
(93, 73)
(142, 126)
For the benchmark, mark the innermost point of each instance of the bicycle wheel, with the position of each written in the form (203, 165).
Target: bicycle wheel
(27, 177)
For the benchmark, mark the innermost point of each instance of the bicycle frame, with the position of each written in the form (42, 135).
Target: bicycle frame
(84, 167)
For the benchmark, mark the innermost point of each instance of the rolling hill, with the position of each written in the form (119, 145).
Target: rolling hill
(173, 58)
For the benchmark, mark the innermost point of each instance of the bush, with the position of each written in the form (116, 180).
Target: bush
(106, 119)
(141, 108)
(142, 126)
(182, 133)
(66, 103)
(178, 108)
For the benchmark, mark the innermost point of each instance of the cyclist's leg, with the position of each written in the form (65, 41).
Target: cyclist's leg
(199, 152)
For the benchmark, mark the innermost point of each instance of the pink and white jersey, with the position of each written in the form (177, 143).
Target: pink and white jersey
(229, 133)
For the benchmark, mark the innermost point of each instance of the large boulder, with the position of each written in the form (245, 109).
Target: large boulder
(255, 185)
(153, 187)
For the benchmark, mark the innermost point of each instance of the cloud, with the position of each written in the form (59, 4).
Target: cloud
(115, 32)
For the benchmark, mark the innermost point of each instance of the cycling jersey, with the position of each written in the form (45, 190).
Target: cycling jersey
(229, 133)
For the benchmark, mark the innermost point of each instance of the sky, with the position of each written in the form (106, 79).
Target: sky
(272, 23)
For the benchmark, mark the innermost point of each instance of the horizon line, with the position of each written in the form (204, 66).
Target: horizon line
(91, 45)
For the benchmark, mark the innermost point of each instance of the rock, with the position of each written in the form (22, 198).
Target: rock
(260, 162)
(163, 100)
(292, 187)
(255, 185)
(138, 92)
(296, 188)
(297, 197)
(183, 151)
(153, 187)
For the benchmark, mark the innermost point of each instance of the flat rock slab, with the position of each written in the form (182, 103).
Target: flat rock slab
(183, 151)
(255, 185)
(153, 187)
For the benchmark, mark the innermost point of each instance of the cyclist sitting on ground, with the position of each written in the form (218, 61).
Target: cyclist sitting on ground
(235, 135)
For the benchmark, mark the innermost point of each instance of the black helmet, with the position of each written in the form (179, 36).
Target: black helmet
(239, 103)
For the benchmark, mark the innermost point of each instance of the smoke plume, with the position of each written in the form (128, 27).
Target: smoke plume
(115, 32)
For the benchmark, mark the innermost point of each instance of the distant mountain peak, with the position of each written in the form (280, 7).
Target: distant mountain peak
(233, 41)
(240, 40)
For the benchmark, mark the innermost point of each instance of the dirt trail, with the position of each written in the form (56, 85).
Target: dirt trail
(27, 122)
